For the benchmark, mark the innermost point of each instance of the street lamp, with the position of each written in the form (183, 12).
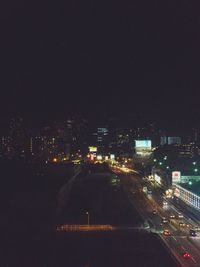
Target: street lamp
(88, 218)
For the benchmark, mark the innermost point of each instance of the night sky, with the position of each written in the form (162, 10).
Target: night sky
(100, 58)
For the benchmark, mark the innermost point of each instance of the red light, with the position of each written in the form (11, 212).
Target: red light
(167, 233)
(186, 255)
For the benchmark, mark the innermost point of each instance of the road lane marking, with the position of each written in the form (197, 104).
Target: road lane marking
(193, 260)
(183, 247)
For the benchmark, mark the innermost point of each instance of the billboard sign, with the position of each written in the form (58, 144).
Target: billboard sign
(176, 176)
(177, 192)
(112, 156)
(92, 148)
(143, 144)
(157, 178)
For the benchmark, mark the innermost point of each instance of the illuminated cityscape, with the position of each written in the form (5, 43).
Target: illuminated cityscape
(100, 133)
(138, 164)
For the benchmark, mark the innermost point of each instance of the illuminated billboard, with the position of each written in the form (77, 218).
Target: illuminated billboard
(157, 178)
(177, 192)
(92, 148)
(176, 177)
(112, 156)
(143, 144)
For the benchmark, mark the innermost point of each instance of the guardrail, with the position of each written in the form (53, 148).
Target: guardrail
(83, 228)
(97, 227)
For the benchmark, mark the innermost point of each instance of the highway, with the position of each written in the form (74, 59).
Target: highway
(156, 210)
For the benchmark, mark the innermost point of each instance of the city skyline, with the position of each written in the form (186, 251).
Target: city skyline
(100, 133)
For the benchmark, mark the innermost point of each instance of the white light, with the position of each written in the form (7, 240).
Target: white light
(99, 157)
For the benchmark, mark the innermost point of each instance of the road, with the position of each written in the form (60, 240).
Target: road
(153, 207)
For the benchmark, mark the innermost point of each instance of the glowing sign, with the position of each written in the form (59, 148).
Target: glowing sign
(143, 144)
(157, 178)
(92, 148)
(176, 177)
(177, 192)
(112, 156)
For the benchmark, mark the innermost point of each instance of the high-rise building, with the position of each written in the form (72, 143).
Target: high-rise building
(173, 140)
(101, 138)
(163, 140)
(170, 140)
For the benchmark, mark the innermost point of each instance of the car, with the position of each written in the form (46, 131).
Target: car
(180, 215)
(192, 233)
(186, 255)
(154, 212)
(172, 216)
(164, 220)
(166, 232)
(165, 203)
(181, 224)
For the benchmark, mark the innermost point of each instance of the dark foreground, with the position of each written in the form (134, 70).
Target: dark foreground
(111, 249)
(29, 212)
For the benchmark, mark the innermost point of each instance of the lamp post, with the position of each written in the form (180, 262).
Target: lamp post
(88, 218)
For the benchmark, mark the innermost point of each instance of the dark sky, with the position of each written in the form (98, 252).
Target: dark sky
(100, 57)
